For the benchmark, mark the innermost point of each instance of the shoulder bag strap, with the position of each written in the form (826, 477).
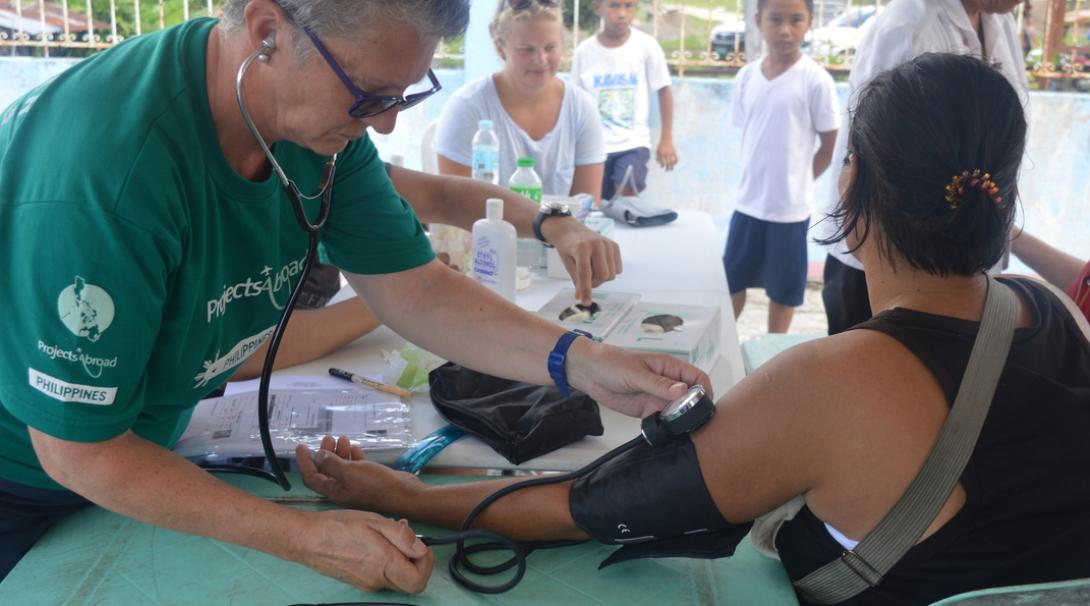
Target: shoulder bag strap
(863, 567)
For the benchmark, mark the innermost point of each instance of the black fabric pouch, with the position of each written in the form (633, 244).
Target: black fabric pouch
(518, 420)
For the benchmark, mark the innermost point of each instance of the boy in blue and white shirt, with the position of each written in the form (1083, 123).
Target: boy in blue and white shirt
(621, 66)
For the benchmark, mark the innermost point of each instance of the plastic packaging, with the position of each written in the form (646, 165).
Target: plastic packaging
(486, 154)
(226, 428)
(453, 242)
(494, 252)
(525, 181)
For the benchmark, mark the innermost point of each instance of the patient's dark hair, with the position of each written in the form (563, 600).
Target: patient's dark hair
(913, 129)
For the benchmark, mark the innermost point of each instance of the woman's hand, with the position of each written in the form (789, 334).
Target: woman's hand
(590, 259)
(366, 550)
(360, 547)
(338, 470)
(633, 383)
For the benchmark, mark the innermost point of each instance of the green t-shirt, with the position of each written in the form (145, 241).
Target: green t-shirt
(137, 269)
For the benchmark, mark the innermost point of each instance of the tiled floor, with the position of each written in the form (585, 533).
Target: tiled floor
(809, 318)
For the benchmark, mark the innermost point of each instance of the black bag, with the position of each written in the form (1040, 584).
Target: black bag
(517, 420)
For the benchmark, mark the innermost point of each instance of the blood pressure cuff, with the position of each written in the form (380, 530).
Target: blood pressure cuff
(518, 420)
(653, 502)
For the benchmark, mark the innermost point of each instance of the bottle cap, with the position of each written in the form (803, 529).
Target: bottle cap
(525, 162)
(484, 124)
(493, 209)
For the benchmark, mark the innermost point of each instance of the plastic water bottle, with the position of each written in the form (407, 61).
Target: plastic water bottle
(494, 254)
(486, 153)
(525, 181)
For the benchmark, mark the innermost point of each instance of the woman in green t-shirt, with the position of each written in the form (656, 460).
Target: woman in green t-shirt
(163, 254)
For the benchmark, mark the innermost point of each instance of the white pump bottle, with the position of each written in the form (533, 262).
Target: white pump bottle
(495, 251)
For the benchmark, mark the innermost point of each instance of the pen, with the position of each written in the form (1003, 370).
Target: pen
(351, 376)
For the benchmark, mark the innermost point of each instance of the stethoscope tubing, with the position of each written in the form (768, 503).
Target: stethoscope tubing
(313, 230)
(460, 559)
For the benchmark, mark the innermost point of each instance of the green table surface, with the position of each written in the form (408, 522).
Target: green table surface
(756, 352)
(97, 557)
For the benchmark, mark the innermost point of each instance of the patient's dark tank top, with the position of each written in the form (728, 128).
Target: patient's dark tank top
(1026, 518)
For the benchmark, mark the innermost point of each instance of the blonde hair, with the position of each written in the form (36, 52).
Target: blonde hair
(506, 15)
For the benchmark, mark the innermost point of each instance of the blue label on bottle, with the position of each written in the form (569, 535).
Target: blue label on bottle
(485, 263)
(485, 161)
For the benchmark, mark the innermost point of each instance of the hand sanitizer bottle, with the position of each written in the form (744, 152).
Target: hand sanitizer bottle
(494, 252)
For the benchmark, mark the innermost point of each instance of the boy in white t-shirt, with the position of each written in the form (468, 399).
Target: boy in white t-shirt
(785, 104)
(621, 67)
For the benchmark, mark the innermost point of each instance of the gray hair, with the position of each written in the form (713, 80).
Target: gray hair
(353, 19)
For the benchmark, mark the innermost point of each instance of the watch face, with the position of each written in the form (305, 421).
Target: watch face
(681, 405)
(554, 207)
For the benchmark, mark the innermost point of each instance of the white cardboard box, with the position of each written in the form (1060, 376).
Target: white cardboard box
(684, 331)
(613, 306)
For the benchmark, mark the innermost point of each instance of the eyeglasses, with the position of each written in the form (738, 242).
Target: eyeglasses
(367, 104)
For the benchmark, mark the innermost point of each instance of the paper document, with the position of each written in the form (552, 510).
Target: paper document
(227, 427)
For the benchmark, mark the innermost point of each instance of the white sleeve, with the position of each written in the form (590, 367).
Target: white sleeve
(590, 147)
(454, 134)
(737, 110)
(878, 51)
(658, 73)
(824, 104)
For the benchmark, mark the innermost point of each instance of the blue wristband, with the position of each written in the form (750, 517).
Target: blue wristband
(557, 357)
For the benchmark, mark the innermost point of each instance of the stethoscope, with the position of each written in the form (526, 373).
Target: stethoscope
(313, 230)
(682, 416)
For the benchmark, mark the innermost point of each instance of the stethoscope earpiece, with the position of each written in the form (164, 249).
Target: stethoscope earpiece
(268, 45)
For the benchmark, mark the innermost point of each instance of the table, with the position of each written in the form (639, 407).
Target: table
(96, 557)
(651, 258)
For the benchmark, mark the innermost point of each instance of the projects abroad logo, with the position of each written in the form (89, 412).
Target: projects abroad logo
(91, 365)
(267, 282)
(238, 354)
(85, 309)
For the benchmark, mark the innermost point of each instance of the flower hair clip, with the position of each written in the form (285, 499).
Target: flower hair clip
(956, 189)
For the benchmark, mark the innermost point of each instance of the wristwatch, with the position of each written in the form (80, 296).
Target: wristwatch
(549, 208)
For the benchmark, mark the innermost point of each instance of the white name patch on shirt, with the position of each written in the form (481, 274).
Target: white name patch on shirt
(71, 392)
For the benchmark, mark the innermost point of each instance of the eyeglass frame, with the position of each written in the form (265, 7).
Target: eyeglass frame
(361, 96)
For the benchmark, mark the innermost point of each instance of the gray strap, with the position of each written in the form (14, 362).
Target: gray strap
(864, 566)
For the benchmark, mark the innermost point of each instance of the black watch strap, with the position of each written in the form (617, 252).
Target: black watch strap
(543, 214)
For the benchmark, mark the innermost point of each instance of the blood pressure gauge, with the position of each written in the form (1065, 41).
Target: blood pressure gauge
(684, 415)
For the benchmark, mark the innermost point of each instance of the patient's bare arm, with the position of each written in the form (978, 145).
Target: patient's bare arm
(339, 471)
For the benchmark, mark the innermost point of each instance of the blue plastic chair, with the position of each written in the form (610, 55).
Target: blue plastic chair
(1060, 593)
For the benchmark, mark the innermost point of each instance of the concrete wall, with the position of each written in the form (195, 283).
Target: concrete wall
(20, 74)
(1055, 183)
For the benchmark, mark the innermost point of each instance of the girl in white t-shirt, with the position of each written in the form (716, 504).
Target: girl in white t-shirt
(534, 113)
(785, 104)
